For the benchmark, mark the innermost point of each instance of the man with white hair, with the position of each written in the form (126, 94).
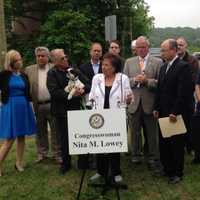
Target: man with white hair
(133, 47)
(37, 74)
(57, 81)
(143, 71)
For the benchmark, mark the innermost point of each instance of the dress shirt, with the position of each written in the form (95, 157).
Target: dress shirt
(43, 93)
(143, 62)
(95, 67)
(170, 63)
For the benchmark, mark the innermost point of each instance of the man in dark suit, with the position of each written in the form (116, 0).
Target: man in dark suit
(56, 83)
(173, 98)
(93, 67)
(194, 68)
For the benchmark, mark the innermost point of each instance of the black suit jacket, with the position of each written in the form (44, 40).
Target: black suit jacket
(174, 90)
(56, 82)
(88, 71)
(4, 85)
(194, 66)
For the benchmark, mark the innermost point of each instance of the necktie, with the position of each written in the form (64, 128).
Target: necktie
(168, 66)
(141, 63)
(142, 68)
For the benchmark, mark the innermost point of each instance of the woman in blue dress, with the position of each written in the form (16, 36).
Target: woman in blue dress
(16, 115)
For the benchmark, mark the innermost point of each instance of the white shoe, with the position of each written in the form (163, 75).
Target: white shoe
(95, 177)
(118, 178)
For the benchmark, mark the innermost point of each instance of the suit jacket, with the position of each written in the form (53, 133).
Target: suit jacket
(194, 66)
(88, 71)
(174, 89)
(119, 90)
(4, 85)
(32, 72)
(56, 82)
(144, 93)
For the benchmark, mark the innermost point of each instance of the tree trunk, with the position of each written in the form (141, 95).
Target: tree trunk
(2, 34)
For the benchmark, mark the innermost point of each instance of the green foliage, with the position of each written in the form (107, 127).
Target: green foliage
(67, 30)
(25, 45)
(190, 34)
(74, 24)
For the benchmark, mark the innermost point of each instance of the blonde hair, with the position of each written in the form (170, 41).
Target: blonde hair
(10, 58)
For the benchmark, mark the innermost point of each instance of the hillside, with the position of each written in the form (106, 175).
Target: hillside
(190, 34)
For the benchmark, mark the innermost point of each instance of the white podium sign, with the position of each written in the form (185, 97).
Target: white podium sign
(97, 131)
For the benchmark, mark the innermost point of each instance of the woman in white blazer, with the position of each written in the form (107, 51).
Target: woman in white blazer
(111, 89)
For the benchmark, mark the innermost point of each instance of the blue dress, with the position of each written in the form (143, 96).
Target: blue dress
(16, 116)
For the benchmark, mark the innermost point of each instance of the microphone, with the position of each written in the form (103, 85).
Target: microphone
(91, 104)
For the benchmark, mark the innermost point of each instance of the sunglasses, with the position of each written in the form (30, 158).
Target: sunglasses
(64, 58)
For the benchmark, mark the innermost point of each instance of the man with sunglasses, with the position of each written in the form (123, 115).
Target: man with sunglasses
(56, 83)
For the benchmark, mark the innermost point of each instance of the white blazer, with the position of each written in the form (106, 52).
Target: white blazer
(118, 93)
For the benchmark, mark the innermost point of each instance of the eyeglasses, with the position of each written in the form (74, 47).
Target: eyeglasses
(41, 56)
(64, 58)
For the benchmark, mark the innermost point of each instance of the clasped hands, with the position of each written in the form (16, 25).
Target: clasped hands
(141, 78)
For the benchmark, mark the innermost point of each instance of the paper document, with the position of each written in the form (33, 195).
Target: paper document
(169, 129)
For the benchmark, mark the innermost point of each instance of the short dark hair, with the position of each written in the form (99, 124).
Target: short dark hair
(173, 44)
(115, 61)
(95, 43)
(116, 42)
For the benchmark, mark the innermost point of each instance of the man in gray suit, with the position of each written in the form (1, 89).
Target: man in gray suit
(143, 71)
(37, 74)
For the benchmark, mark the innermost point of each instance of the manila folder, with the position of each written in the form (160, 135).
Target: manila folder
(169, 129)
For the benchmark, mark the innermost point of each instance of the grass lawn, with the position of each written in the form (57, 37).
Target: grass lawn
(43, 182)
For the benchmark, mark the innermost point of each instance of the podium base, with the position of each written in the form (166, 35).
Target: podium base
(108, 185)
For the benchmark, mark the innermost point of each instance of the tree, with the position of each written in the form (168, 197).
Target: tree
(2, 34)
(80, 23)
(67, 30)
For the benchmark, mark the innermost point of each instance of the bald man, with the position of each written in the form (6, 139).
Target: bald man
(173, 98)
(56, 83)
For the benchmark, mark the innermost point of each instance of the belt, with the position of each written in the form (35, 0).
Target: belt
(44, 102)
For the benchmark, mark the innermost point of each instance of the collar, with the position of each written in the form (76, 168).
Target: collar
(145, 58)
(171, 62)
(95, 63)
(44, 68)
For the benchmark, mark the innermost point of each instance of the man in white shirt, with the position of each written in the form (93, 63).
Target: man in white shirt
(37, 74)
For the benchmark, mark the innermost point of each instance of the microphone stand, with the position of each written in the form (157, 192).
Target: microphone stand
(109, 182)
(91, 105)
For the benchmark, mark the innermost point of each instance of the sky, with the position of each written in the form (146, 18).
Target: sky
(173, 13)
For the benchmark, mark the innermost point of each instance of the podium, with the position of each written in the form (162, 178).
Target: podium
(97, 132)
